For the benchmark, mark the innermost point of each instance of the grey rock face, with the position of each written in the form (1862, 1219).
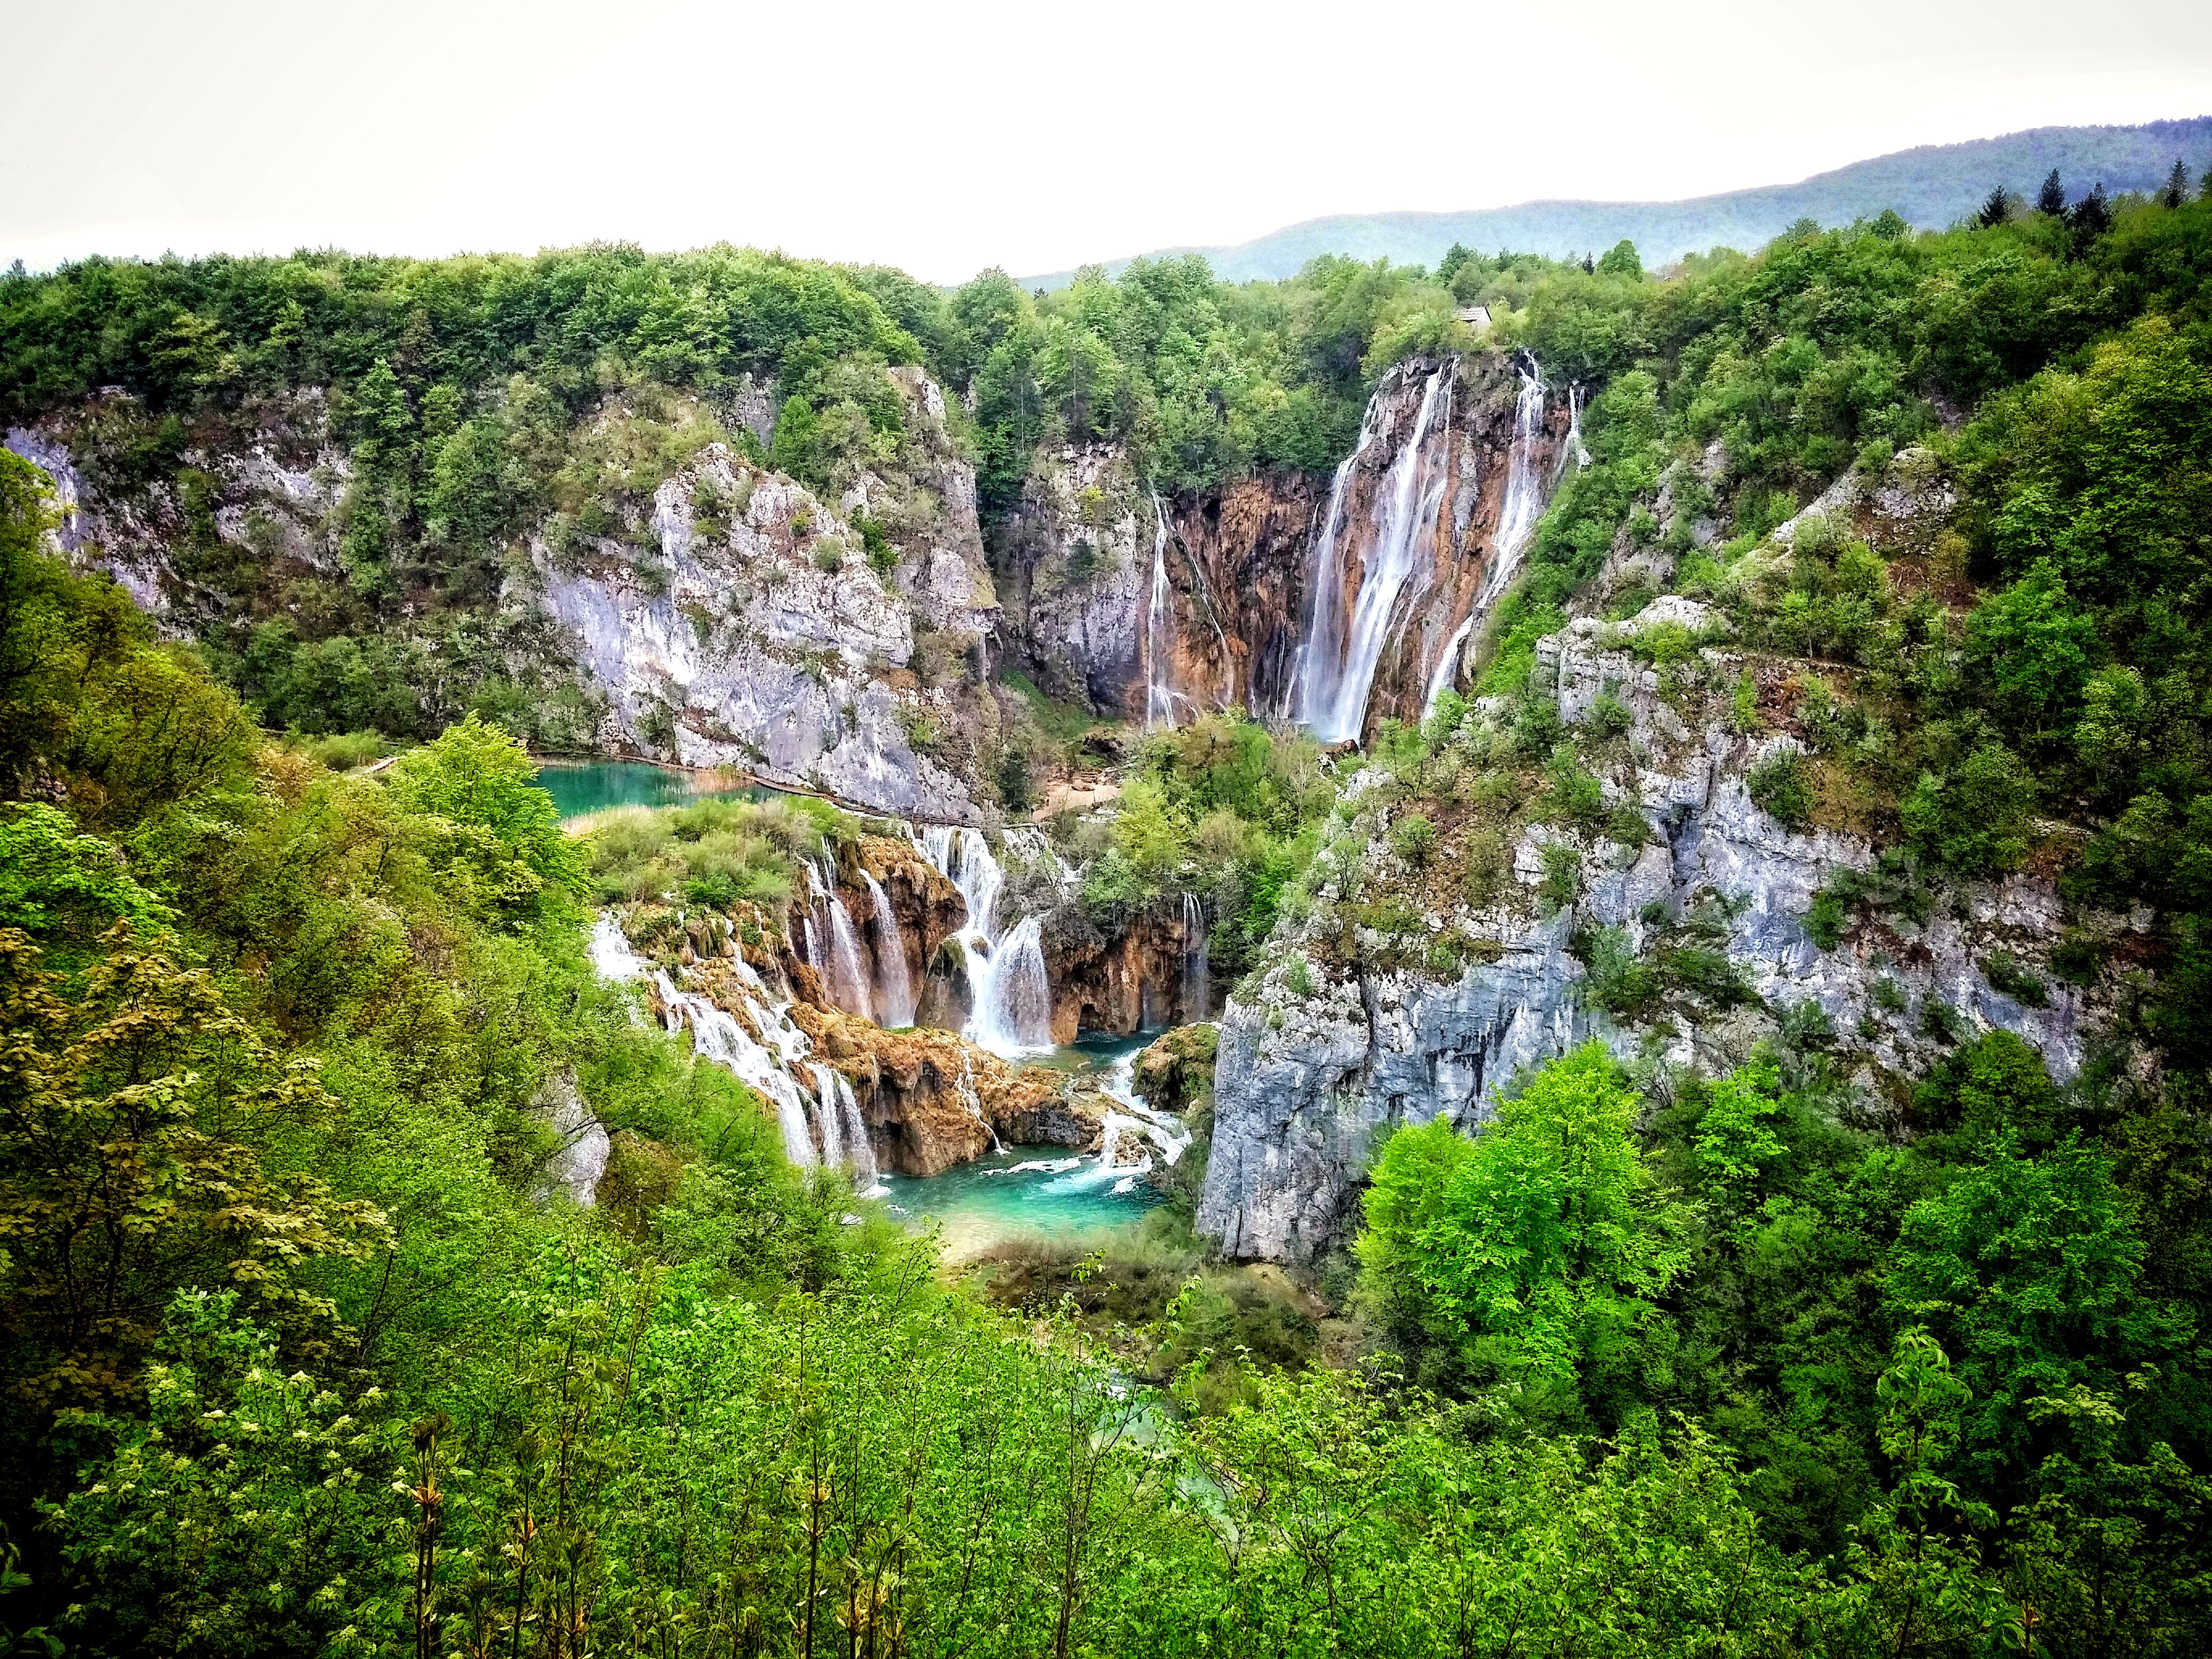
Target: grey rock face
(1306, 1085)
(1304, 1088)
(1077, 557)
(756, 652)
(580, 1162)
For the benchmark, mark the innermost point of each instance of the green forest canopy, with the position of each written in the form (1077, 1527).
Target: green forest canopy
(299, 1364)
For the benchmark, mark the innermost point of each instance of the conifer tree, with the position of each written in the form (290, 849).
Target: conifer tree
(2051, 198)
(2093, 214)
(1996, 209)
(2177, 187)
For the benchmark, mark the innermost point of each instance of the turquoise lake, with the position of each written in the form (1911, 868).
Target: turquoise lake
(1034, 1192)
(594, 786)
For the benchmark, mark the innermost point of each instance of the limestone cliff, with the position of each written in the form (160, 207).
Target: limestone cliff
(1236, 563)
(1409, 989)
(712, 612)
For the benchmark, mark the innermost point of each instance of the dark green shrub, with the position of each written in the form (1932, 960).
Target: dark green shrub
(1563, 875)
(2008, 974)
(1781, 788)
(1414, 839)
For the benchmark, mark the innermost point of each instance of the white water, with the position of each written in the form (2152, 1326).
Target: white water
(1525, 492)
(1323, 649)
(1194, 959)
(717, 1036)
(1337, 667)
(1517, 521)
(611, 956)
(1159, 690)
(894, 983)
(1135, 1123)
(1447, 668)
(1573, 449)
(1013, 1014)
(820, 1124)
(1009, 994)
(844, 981)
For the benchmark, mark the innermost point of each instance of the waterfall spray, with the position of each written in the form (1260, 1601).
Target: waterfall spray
(1009, 992)
(1159, 692)
(1524, 494)
(1447, 668)
(1336, 682)
(1194, 959)
(894, 983)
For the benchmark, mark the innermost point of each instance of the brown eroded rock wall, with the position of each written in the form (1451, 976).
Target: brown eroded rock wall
(1117, 984)
(931, 1100)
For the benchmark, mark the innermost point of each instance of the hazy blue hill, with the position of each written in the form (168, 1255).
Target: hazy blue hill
(1931, 186)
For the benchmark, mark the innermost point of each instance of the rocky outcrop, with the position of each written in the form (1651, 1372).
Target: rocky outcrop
(1178, 1068)
(834, 645)
(932, 1100)
(1304, 1085)
(1321, 1056)
(762, 641)
(578, 1161)
(1074, 558)
(274, 489)
(1123, 982)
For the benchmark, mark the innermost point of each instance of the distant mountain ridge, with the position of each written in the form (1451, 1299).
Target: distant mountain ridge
(1931, 186)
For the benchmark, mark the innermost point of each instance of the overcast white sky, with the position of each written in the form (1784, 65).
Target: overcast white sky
(947, 137)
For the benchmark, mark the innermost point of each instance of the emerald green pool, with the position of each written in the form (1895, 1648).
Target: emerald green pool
(1034, 1192)
(594, 786)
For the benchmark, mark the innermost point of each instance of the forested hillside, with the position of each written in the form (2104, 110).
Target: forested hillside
(1930, 187)
(1832, 1280)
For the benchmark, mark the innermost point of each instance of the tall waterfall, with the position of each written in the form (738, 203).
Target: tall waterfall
(1159, 629)
(1517, 521)
(844, 980)
(1323, 649)
(894, 983)
(1524, 491)
(1337, 669)
(1194, 959)
(1014, 1015)
(1009, 993)
(1573, 449)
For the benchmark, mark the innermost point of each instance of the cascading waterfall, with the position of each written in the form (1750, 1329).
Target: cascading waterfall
(1009, 992)
(843, 979)
(1194, 959)
(1525, 492)
(1014, 1015)
(1517, 522)
(1573, 449)
(894, 984)
(1132, 1125)
(1336, 681)
(717, 1036)
(1323, 649)
(1159, 692)
(974, 1102)
(820, 1125)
